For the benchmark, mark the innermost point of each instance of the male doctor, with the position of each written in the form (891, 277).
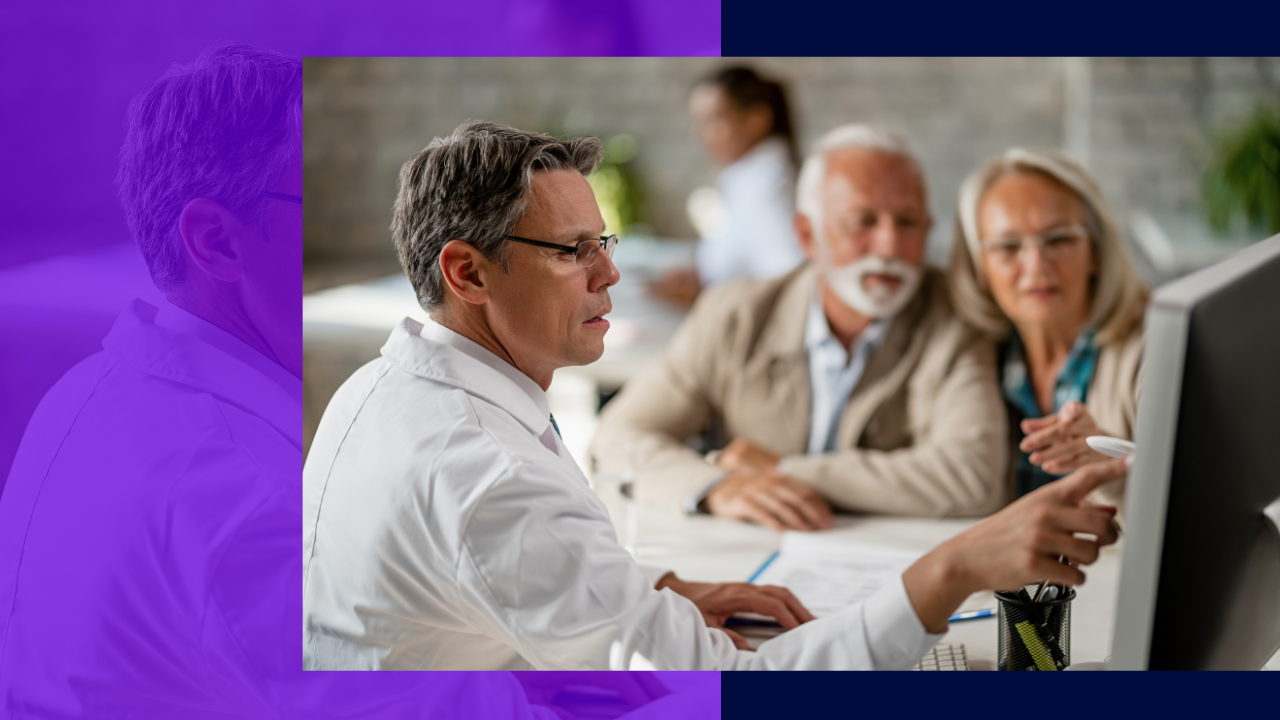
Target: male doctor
(148, 530)
(446, 526)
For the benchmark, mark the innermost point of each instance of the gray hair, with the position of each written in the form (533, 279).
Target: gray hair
(1118, 297)
(814, 170)
(223, 127)
(473, 186)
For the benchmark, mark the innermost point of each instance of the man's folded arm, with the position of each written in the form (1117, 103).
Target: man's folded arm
(560, 591)
(644, 429)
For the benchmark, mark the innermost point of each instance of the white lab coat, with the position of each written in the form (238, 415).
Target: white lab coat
(145, 530)
(149, 552)
(755, 237)
(446, 527)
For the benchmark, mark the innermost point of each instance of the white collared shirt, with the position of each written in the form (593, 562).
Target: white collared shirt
(155, 495)
(175, 318)
(755, 237)
(442, 531)
(833, 373)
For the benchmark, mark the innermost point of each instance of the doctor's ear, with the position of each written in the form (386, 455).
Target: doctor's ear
(211, 235)
(465, 271)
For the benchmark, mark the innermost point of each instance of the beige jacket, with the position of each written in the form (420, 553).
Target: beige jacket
(1112, 400)
(924, 432)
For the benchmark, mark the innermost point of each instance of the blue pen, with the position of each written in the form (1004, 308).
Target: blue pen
(971, 615)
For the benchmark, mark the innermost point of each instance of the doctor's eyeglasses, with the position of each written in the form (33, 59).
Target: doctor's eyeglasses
(584, 253)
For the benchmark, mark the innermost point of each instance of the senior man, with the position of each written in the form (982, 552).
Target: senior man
(447, 527)
(848, 382)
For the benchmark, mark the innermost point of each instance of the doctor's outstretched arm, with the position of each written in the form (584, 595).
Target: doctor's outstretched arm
(567, 597)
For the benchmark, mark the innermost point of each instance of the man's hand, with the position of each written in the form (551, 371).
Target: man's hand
(742, 456)
(680, 286)
(1017, 546)
(1057, 442)
(718, 601)
(771, 499)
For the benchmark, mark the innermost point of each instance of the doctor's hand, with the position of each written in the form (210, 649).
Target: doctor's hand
(1018, 546)
(1057, 442)
(717, 601)
(771, 499)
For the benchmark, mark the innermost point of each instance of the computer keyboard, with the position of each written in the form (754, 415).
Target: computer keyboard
(944, 657)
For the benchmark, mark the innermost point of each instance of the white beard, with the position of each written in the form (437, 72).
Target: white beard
(846, 282)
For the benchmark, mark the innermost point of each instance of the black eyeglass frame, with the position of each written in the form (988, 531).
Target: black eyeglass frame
(607, 244)
(283, 196)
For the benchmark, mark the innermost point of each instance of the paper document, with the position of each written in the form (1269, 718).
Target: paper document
(828, 574)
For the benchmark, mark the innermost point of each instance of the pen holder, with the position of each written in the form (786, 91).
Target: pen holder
(1034, 635)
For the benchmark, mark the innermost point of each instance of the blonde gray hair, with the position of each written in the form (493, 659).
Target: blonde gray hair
(814, 170)
(1117, 296)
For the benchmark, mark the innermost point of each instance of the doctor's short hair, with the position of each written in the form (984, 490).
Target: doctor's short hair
(223, 127)
(1118, 297)
(814, 170)
(473, 186)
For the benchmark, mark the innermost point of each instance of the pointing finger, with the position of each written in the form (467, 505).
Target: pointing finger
(1074, 487)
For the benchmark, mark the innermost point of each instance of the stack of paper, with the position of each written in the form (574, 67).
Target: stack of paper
(828, 573)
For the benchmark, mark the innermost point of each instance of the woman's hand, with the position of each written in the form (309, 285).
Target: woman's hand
(1057, 442)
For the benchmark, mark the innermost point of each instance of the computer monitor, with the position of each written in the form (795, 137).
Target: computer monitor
(1200, 573)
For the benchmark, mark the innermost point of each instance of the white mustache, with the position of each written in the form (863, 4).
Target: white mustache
(846, 281)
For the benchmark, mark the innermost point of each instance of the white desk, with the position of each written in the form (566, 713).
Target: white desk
(712, 549)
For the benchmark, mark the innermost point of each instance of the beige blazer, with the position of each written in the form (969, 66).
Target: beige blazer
(1112, 400)
(924, 432)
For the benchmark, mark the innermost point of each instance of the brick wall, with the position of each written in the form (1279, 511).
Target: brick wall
(1145, 122)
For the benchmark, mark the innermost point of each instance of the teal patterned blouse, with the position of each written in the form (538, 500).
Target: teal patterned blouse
(1020, 398)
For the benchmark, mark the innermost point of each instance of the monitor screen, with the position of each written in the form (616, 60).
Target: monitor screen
(1200, 582)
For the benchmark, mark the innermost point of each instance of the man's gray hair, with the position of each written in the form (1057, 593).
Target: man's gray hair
(814, 170)
(473, 186)
(224, 127)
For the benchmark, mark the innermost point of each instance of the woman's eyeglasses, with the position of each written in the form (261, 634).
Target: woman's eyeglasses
(1057, 243)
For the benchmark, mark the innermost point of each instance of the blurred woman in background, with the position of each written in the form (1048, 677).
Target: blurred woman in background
(744, 125)
(1039, 265)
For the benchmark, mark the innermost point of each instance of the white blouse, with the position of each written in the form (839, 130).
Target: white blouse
(755, 237)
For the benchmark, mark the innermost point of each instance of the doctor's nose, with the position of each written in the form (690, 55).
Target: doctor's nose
(603, 273)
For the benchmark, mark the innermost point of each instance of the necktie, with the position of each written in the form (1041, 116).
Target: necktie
(557, 427)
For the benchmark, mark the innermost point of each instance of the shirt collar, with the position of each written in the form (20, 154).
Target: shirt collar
(433, 351)
(817, 331)
(172, 317)
(1071, 384)
(181, 357)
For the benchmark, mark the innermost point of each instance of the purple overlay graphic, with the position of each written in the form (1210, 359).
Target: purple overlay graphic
(150, 342)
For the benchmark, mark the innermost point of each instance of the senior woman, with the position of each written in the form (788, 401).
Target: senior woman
(1038, 265)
